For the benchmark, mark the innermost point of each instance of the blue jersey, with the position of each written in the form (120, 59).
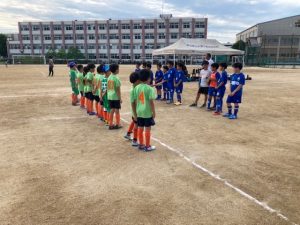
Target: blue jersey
(137, 70)
(179, 76)
(171, 77)
(235, 81)
(222, 79)
(159, 76)
(151, 77)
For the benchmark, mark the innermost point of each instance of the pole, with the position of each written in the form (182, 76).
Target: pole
(174, 59)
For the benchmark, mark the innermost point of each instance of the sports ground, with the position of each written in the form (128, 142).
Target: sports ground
(61, 166)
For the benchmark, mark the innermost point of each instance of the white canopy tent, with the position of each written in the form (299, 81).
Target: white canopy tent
(185, 46)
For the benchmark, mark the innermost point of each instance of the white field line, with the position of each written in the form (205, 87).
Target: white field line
(31, 95)
(60, 118)
(224, 181)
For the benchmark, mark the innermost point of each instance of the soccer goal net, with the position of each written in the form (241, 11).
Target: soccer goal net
(28, 59)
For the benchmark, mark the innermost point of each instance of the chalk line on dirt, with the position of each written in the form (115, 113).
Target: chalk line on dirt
(224, 181)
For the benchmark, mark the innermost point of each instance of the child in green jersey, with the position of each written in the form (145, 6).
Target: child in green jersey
(103, 91)
(85, 72)
(80, 84)
(114, 96)
(72, 75)
(89, 79)
(134, 79)
(144, 110)
(98, 80)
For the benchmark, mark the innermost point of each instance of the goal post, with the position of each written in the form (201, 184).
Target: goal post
(28, 59)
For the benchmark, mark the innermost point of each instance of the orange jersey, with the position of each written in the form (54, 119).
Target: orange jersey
(213, 80)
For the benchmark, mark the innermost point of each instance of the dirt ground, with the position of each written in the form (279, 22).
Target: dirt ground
(59, 166)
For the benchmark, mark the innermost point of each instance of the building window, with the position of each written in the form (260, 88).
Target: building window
(125, 27)
(126, 36)
(137, 36)
(161, 36)
(90, 27)
(79, 36)
(35, 27)
(137, 26)
(36, 37)
(148, 56)
(161, 26)
(113, 36)
(149, 46)
(186, 25)
(69, 27)
(114, 56)
(174, 36)
(91, 37)
(199, 35)
(25, 38)
(79, 27)
(149, 36)
(102, 36)
(137, 47)
(57, 37)
(149, 26)
(186, 35)
(125, 46)
(91, 46)
(137, 56)
(101, 26)
(46, 27)
(102, 46)
(80, 46)
(92, 56)
(24, 28)
(102, 56)
(47, 37)
(297, 24)
(174, 25)
(199, 25)
(68, 37)
(113, 46)
(126, 56)
(56, 27)
(113, 26)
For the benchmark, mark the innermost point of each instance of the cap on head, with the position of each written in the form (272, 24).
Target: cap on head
(106, 68)
(72, 64)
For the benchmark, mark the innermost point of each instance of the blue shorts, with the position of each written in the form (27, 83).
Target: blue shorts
(212, 91)
(165, 86)
(179, 90)
(234, 99)
(158, 87)
(220, 93)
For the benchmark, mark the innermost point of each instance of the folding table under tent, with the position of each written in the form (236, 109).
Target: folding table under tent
(198, 46)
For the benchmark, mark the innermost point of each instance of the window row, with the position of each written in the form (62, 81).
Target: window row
(135, 26)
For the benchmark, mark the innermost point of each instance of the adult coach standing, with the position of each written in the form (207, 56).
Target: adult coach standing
(51, 66)
(210, 61)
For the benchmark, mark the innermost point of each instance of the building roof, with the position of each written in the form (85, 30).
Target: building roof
(270, 21)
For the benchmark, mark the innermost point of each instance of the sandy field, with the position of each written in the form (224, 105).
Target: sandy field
(59, 166)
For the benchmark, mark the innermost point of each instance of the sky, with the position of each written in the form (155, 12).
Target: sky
(226, 18)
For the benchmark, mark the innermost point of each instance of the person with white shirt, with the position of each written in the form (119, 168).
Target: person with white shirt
(203, 84)
(209, 59)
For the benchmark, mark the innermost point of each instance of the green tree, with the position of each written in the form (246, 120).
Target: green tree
(240, 45)
(61, 54)
(51, 53)
(3, 48)
(74, 53)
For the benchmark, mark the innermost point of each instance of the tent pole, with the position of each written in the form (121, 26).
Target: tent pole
(174, 59)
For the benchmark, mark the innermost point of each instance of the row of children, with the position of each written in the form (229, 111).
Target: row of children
(168, 80)
(103, 87)
(212, 85)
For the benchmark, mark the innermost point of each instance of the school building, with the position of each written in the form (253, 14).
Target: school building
(276, 41)
(106, 40)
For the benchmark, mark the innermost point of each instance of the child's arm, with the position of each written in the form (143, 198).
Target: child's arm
(152, 108)
(160, 83)
(236, 90)
(133, 106)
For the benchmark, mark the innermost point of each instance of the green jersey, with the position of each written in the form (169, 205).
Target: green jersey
(104, 97)
(132, 98)
(80, 83)
(97, 79)
(89, 81)
(113, 83)
(73, 76)
(143, 94)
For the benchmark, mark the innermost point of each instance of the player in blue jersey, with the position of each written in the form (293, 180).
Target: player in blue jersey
(171, 79)
(178, 84)
(159, 76)
(237, 81)
(148, 67)
(221, 88)
(137, 67)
